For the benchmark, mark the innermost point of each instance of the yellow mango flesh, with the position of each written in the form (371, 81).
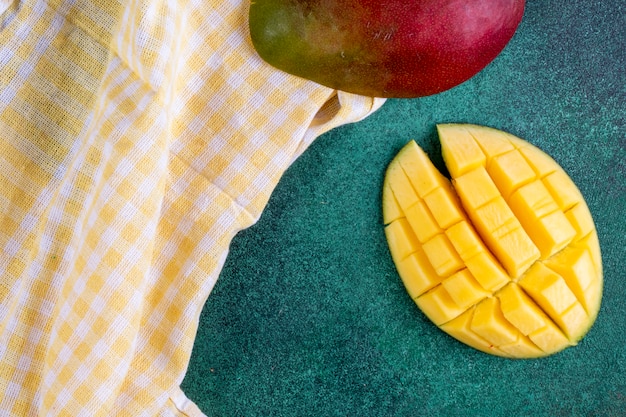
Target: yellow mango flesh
(504, 256)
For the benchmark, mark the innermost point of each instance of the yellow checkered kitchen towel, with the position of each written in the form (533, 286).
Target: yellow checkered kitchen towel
(136, 138)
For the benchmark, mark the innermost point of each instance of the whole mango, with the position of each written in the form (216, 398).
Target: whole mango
(383, 48)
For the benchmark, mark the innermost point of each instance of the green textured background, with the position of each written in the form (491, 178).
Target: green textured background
(309, 317)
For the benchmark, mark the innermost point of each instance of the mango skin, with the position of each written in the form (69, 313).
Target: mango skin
(392, 48)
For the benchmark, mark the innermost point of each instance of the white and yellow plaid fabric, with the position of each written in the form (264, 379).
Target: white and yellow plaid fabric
(136, 138)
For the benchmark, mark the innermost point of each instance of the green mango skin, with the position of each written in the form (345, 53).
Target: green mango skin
(383, 48)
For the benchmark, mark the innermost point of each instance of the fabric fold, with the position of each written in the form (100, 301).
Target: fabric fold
(136, 140)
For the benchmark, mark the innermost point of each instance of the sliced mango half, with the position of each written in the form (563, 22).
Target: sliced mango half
(504, 256)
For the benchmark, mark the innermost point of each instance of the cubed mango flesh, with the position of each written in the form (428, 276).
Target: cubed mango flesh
(504, 256)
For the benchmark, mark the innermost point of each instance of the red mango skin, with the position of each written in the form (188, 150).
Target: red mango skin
(383, 48)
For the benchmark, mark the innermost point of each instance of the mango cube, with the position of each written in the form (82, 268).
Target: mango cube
(476, 188)
(540, 162)
(417, 274)
(487, 271)
(489, 323)
(438, 305)
(459, 328)
(590, 242)
(532, 202)
(462, 154)
(405, 194)
(442, 255)
(464, 290)
(519, 309)
(581, 220)
(550, 339)
(391, 208)
(493, 142)
(523, 347)
(416, 165)
(422, 221)
(562, 189)
(444, 207)
(465, 240)
(510, 171)
(552, 233)
(401, 239)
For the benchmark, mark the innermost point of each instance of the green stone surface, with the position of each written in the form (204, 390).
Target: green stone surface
(309, 317)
